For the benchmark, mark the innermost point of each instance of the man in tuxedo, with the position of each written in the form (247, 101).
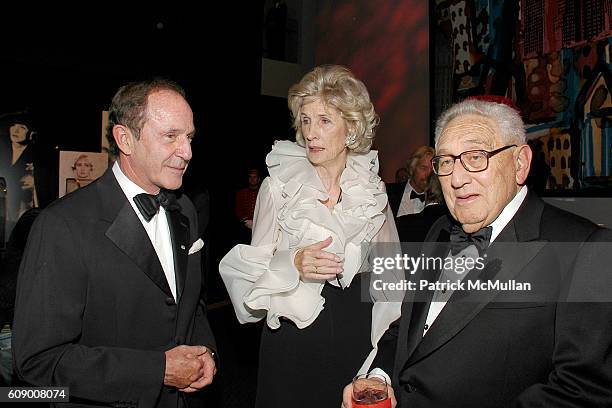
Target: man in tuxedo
(108, 298)
(549, 346)
(409, 197)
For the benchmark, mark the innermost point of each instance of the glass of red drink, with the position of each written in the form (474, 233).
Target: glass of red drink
(370, 391)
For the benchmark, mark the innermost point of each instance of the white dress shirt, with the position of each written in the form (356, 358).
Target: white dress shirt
(157, 228)
(497, 226)
(408, 206)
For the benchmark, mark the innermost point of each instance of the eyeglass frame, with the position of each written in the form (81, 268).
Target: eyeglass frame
(488, 155)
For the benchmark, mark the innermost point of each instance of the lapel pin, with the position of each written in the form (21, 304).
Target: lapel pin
(183, 247)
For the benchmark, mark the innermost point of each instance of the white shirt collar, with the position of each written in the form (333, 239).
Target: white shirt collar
(157, 227)
(408, 205)
(508, 213)
(408, 189)
(130, 189)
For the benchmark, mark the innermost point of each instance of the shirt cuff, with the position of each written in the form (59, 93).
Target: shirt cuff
(380, 372)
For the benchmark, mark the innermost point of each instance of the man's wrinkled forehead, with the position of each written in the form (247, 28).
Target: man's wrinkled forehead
(471, 131)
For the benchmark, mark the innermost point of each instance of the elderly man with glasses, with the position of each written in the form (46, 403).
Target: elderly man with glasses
(546, 343)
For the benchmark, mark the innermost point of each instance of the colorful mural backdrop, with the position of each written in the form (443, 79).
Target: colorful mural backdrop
(552, 57)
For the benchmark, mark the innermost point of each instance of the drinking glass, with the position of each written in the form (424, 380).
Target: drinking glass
(370, 391)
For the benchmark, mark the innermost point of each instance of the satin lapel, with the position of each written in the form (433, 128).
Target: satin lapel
(401, 350)
(504, 261)
(409, 339)
(409, 307)
(127, 232)
(179, 233)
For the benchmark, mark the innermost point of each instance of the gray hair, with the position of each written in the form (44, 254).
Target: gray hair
(508, 120)
(337, 86)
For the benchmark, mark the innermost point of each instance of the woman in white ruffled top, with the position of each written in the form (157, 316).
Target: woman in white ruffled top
(316, 218)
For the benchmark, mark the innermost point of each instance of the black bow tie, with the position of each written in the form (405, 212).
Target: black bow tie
(148, 204)
(460, 240)
(414, 194)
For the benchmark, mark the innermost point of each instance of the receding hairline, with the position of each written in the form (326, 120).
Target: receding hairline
(507, 121)
(482, 121)
(162, 90)
(147, 108)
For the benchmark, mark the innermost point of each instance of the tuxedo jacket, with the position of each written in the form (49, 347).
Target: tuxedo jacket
(497, 348)
(94, 311)
(395, 192)
(414, 227)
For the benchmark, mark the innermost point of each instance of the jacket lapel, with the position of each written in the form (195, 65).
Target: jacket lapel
(179, 234)
(504, 262)
(414, 314)
(126, 231)
(417, 324)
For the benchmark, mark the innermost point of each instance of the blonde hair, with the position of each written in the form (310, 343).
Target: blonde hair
(337, 86)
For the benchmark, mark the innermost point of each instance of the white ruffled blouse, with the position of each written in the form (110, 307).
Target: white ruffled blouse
(261, 278)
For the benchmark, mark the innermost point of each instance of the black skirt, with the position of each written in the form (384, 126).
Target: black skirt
(309, 367)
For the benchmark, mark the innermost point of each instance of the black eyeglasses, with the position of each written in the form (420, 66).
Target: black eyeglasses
(473, 161)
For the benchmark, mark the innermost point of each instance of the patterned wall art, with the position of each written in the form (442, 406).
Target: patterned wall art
(553, 58)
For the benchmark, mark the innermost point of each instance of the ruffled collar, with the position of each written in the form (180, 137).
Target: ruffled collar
(356, 219)
(289, 164)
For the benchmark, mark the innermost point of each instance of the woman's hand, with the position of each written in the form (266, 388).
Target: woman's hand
(315, 264)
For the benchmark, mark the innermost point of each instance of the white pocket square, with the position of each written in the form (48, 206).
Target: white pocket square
(196, 246)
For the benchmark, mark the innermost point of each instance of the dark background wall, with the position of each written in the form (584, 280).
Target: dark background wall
(63, 66)
(386, 44)
(65, 69)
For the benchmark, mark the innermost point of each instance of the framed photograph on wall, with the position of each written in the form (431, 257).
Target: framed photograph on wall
(78, 169)
(17, 157)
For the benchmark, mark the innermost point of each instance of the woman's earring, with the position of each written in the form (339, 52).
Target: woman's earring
(350, 139)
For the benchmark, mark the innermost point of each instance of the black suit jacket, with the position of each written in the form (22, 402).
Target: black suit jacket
(414, 227)
(487, 350)
(94, 311)
(395, 192)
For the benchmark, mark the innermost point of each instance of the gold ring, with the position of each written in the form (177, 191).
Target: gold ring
(316, 270)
